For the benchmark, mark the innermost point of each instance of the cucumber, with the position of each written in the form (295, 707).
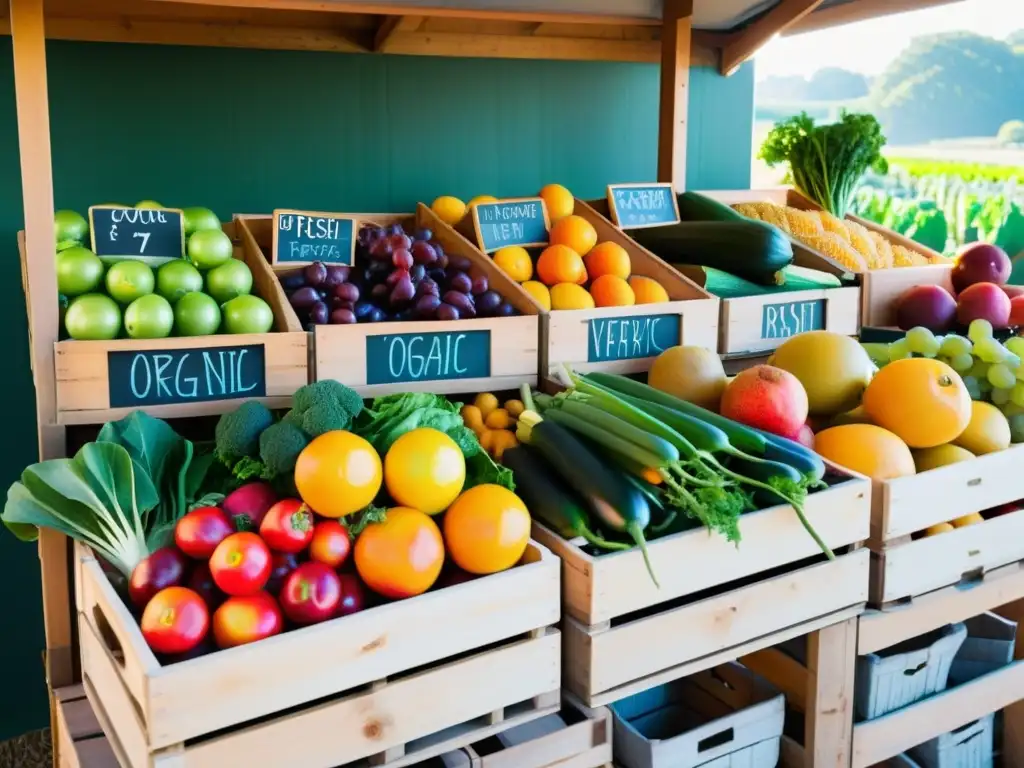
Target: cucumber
(550, 500)
(694, 206)
(751, 250)
(703, 436)
(798, 456)
(656, 445)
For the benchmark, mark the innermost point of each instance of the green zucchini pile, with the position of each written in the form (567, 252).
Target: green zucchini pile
(611, 459)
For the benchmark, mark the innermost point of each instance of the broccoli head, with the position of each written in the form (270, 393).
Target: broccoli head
(323, 407)
(280, 446)
(238, 432)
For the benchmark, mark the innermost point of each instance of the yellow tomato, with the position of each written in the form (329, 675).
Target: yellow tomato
(486, 530)
(425, 470)
(338, 473)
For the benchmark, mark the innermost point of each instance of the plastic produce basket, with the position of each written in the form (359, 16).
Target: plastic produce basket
(989, 646)
(906, 672)
(969, 746)
(726, 717)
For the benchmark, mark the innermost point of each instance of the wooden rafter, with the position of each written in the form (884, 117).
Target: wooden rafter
(391, 26)
(747, 41)
(861, 10)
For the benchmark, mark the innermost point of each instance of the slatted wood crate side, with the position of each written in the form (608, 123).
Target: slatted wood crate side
(79, 741)
(598, 589)
(602, 664)
(585, 744)
(368, 646)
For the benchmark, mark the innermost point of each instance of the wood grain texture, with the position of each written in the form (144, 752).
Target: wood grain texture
(746, 42)
(831, 663)
(674, 99)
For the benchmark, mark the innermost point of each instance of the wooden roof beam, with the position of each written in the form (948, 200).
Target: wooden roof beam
(391, 26)
(751, 38)
(849, 13)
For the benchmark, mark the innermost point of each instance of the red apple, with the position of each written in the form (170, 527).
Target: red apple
(983, 301)
(768, 398)
(930, 306)
(980, 263)
(1016, 312)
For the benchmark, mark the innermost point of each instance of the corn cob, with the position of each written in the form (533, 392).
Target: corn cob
(862, 243)
(904, 257)
(836, 248)
(750, 210)
(832, 224)
(802, 222)
(772, 214)
(884, 251)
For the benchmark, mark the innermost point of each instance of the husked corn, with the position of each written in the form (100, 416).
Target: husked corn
(836, 248)
(775, 214)
(803, 222)
(750, 210)
(938, 258)
(862, 243)
(904, 257)
(835, 225)
(884, 251)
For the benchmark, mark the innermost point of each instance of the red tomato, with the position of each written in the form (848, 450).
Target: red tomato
(241, 564)
(311, 593)
(201, 582)
(175, 620)
(287, 526)
(163, 568)
(331, 544)
(401, 557)
(353, 595)
(246, 619)
(199, 532)
(281, 564)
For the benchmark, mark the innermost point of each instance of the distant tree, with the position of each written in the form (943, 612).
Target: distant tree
(782, 88)
(1016, 38)
(1011, 132)
(949, 85)
(833, 83)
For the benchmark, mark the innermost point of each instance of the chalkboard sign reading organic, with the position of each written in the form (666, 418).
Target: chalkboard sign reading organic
(522, 222)
(635, 206)
(166, 376)
(630, 338)
(302, 237)
(154, 235)
(780, 321)
(401, 357)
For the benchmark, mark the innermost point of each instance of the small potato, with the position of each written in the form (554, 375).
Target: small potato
(471, 416)
(486, 402)
(503, 440)
(498, 419)
(487, 438)
(514, 408)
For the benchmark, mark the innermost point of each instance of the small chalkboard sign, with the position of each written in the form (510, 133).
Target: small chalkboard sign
(631, 338)
(781, 321)
(402, 357)
(636, 206)
(190, 375)
(522, 221)
(302, 237)
(153, 235)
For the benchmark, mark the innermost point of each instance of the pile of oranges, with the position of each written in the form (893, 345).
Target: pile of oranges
(574, 271)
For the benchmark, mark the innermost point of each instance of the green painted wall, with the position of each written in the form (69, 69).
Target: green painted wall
(248, 131)
(721, 129)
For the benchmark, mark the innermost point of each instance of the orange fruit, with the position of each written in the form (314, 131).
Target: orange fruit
(486, 529)
(425, 470)
(575, 232)
(570, 296)
(612, 291)
(923, 402)
(338, 473)
(560, 264)
(449, 209)
(648, 290)
(608, 259)
(401, 557)
(481, 199)
(539, 292)
(558, 200)
(515, 262)
(867, 449)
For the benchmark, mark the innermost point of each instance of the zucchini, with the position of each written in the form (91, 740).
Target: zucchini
(655, 444)
(609, 497)
(694, 206)
(751, 250)
(796, 455)
(549, 500)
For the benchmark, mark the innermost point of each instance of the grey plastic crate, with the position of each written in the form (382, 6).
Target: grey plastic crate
(726, 717)
(989, 646)
(969, 746)
(907, 672)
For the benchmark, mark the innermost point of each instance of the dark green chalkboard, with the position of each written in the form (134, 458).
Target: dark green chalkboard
(630, 338)
(409, 357)
(522, 222)
(301, 237)
(156, 234)
(161, 377)
(781, 321)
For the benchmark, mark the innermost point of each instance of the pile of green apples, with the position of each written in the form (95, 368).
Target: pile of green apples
(207, 292)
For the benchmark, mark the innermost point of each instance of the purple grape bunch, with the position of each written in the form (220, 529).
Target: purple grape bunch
(397, 275)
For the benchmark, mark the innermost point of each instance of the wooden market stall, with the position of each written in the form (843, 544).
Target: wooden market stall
(676, 34)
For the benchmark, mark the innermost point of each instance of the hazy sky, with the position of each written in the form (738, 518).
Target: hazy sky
(869, 46)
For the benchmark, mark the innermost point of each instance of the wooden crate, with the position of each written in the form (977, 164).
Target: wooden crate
(903, 568)
(364, 687)
(79, 741)
(342, 351)
(717, 601)
(752, 324)
(573, 740)
(879, 287)
(83, 367)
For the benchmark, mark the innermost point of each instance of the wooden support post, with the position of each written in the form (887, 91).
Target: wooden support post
(749, 39)
(831, 661)
(675, 81)
(1013, 715)
(391, 26)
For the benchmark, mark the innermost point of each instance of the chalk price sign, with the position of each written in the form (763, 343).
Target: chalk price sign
(154, 235)
(166, 376)
(635, 206)
(781, 321)
(631, 338)
(523, 222)
(302, 237)
(402, 357)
